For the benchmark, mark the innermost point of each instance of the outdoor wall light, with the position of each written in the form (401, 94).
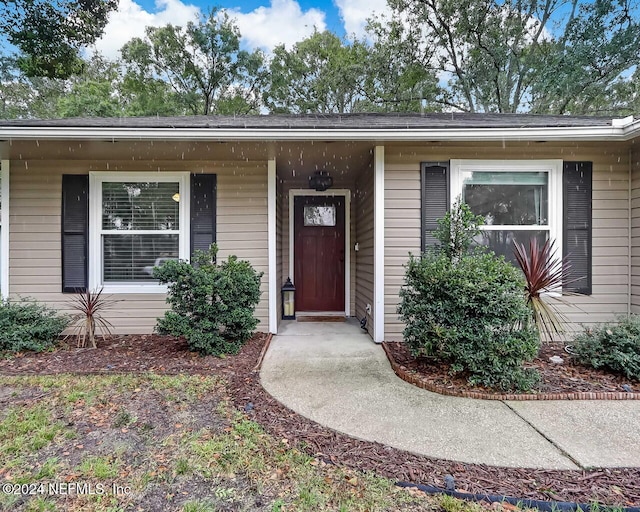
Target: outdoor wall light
(288, 300)
(320, 181)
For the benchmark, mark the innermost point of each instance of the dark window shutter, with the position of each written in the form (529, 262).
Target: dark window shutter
(75, 232)
(435, 198)
(203, 211)
(576, 239)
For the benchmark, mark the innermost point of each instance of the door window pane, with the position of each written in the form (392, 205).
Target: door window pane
(508, 198)
(320, 215)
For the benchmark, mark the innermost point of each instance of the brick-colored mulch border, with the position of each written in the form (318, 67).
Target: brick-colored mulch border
(415, 379)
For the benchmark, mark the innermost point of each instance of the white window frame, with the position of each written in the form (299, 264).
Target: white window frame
(552, 167)
(96, 179)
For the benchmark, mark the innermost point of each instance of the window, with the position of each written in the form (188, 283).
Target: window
(136, 222)
(519, 200)
(320, 215)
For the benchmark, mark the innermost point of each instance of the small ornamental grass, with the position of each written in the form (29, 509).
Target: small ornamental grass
(466, 307)
(612, 346)
(544, 273)
(90, 306)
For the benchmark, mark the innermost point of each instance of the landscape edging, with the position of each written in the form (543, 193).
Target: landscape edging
(415, 380)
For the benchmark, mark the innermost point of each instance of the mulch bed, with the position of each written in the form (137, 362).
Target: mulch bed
(163, 354)
(569, 380)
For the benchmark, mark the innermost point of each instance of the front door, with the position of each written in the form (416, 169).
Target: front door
(319, 253)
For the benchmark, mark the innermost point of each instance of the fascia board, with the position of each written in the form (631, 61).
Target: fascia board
(322, 134)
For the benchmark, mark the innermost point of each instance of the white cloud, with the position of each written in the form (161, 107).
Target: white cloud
(281, 22)
(130, 20)
(354, 14)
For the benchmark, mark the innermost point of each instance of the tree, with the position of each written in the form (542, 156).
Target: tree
(94, 93)
(202, 63)
(143, 93)
(522, 55)
(398, 75)
(320, 74)
(50, 33)
(27, 97)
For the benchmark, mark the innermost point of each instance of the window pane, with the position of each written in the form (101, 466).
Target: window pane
(501, 242)
(132, 257)
(320, 215)
(508, 198)
(144, 205)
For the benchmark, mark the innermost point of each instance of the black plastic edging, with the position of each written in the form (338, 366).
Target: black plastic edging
(546, 506)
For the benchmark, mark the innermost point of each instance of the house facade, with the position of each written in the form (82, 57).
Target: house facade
(91, 203)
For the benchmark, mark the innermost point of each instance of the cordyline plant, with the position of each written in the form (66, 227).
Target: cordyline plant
(544, 273)
(90, 306)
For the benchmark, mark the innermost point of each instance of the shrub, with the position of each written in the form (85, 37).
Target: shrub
(27, 325)
(615, 346)
(471, 313)
(457, 229)
(212, 305)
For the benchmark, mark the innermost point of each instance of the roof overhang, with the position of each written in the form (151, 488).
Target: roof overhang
(617, 132)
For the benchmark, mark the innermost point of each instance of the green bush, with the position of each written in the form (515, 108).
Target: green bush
(212, 305)
(27, 325)
(615, 346)
(472, 314)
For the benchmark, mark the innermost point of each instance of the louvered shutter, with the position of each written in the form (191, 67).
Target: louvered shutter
(435, 199)
(203, 211)
(576, 243)
(75, 232)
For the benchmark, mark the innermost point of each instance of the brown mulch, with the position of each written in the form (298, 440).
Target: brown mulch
(123, 354)
(163, 354)
(558, 381)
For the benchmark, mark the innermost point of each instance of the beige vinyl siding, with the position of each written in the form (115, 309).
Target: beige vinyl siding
(35, 255)
(610, 216)
(364, 207)
(635, 231)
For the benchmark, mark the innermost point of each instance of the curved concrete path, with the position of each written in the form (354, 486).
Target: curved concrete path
(335, 375)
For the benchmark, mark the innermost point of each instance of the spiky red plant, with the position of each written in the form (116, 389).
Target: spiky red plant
(544, 273)
(90, 306)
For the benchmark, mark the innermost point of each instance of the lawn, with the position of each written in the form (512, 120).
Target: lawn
(158, 442)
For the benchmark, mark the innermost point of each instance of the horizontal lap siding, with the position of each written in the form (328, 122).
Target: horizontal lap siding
(242, 223)
(610, 217)
(364, 207)
(35, 256)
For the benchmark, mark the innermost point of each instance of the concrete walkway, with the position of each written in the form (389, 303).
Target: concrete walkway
(335, 375)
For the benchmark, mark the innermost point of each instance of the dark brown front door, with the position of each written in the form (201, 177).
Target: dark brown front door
(319, 253)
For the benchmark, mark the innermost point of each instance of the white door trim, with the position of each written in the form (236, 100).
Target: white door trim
(271, 215)
(378, 244)
(347, 236)
(4, 236)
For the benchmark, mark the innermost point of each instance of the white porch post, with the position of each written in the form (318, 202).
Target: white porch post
(4, 233)
(271, 222)
(378, 244)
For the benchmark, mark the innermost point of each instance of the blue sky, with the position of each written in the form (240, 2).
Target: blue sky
(262, 23)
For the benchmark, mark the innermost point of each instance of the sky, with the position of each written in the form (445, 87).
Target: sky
(262, 23)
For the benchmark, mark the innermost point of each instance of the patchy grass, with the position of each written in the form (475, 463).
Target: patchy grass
(115, 443)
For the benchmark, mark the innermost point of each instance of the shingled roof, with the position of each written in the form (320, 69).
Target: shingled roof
(325, 122)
